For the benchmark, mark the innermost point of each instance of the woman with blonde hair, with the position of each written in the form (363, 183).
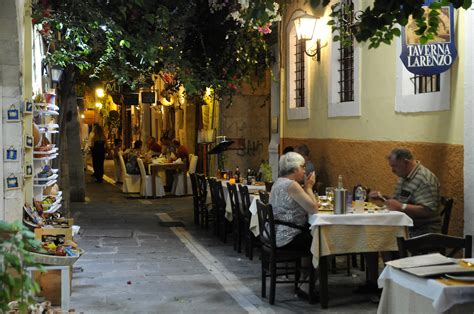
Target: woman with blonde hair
(98, 152)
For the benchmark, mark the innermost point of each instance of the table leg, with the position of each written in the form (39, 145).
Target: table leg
(323, 282)
(65, 288)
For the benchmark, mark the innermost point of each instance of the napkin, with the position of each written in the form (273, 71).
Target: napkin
(178, 161)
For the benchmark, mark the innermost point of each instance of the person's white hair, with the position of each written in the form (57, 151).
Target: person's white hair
(289, 163)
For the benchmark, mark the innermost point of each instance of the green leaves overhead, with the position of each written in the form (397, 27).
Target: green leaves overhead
(380, 22)
(203, 43)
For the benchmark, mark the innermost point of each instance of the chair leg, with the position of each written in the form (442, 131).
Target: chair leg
(272, 282)
(348, 261)
(297, 274)
(250, 242)
(354, 260)
(264, 279)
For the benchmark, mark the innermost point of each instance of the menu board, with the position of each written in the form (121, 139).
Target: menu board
(130, 99)
(148, 97)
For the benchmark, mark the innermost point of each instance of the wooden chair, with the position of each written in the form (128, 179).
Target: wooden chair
(237, 219)
(205, 211)
(272, 256)
(446, 213)
(435, 243)
(264, 196)
(249, 237)
(196, 206)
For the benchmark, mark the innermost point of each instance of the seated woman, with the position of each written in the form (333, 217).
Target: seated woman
(132, 165)
(292, 203)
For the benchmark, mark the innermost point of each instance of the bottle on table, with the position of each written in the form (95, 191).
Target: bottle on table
(360, 195)
(339, 182)
(237, 174)
(249, 174)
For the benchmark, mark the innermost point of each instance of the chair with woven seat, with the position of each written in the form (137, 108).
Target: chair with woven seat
(248, 236)
(435, 243)
(272, 256)
(446, 213)
(237, 218)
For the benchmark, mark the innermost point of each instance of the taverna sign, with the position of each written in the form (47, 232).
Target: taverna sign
(438, 54)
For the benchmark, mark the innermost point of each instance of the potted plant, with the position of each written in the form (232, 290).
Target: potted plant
(16, 283)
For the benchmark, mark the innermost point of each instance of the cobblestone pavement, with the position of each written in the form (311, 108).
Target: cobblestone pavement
(147, 256)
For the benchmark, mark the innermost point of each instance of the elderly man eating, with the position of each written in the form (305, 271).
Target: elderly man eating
(416, 193)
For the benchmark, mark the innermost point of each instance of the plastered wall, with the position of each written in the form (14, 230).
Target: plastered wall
(365, 162)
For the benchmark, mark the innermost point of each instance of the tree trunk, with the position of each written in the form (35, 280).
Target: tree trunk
(72, 163)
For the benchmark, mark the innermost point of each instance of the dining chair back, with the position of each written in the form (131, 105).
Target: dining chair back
(272, 256)
(223, 223)
(248, 236)
(131, 183)
(264, 196)
(204, 209)
(447, 204)
(237, 218)
(435, 243)
(194, 187)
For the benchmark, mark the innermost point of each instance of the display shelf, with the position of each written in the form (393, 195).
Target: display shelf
(50, 157)
(49, 183)
(53, 208)
(59, 195)
(51, 177)
(48, 128)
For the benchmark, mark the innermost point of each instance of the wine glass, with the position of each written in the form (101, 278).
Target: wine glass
(330, 194)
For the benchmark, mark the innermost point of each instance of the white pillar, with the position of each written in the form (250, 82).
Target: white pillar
(275, 113)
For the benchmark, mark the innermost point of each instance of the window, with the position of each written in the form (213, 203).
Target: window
(297, 75)
(344, 72)
(426, 84)
(299, 80)
(346, 55)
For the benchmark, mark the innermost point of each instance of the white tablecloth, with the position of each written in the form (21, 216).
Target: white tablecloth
(442, 297)
(228, 207)
(393, 218)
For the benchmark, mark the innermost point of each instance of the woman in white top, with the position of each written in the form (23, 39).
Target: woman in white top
(292, 199)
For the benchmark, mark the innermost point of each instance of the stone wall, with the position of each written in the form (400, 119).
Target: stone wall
(365, 162)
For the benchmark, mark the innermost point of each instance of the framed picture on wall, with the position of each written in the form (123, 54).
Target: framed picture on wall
(13, 114)
(28, 170)
(28, 107)
(12, 182)
(29, 141)
(11, 154)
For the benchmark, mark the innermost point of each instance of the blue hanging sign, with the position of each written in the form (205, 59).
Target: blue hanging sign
(438, 54)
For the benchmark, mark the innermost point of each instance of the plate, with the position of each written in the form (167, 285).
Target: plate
(461, 278)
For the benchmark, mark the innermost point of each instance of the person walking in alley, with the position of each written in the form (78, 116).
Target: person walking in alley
(98, 152)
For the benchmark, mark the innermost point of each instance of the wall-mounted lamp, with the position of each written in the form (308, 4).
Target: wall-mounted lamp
(100, 92)
(305, 26)
(56, 73)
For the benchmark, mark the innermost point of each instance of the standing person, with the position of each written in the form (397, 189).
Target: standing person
(416, 193)
(117, 151)
(98, 152)
(303, 150)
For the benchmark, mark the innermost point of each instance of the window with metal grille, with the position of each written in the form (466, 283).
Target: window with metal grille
(299, 71)
(346, 53)
(426, 84)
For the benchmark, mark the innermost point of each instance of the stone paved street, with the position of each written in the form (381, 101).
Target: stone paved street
(136, 261)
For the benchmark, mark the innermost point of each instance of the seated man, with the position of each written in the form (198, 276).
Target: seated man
(181, 151)
(416, 193)
(303, 150)
(153, 147)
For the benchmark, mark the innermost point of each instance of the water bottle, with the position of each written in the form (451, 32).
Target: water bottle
(360, 195)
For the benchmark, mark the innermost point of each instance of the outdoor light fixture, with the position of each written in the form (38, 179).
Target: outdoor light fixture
(305, 31)
(100, 92)
(56, 73)
(98, 105)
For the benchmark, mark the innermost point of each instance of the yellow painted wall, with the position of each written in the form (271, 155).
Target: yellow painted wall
(378, 121)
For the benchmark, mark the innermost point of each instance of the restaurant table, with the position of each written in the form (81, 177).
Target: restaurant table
(353, 233)
(228, 208)
(407, 293)
(155, 168)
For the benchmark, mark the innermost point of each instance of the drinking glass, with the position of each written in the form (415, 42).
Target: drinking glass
(330, 194)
